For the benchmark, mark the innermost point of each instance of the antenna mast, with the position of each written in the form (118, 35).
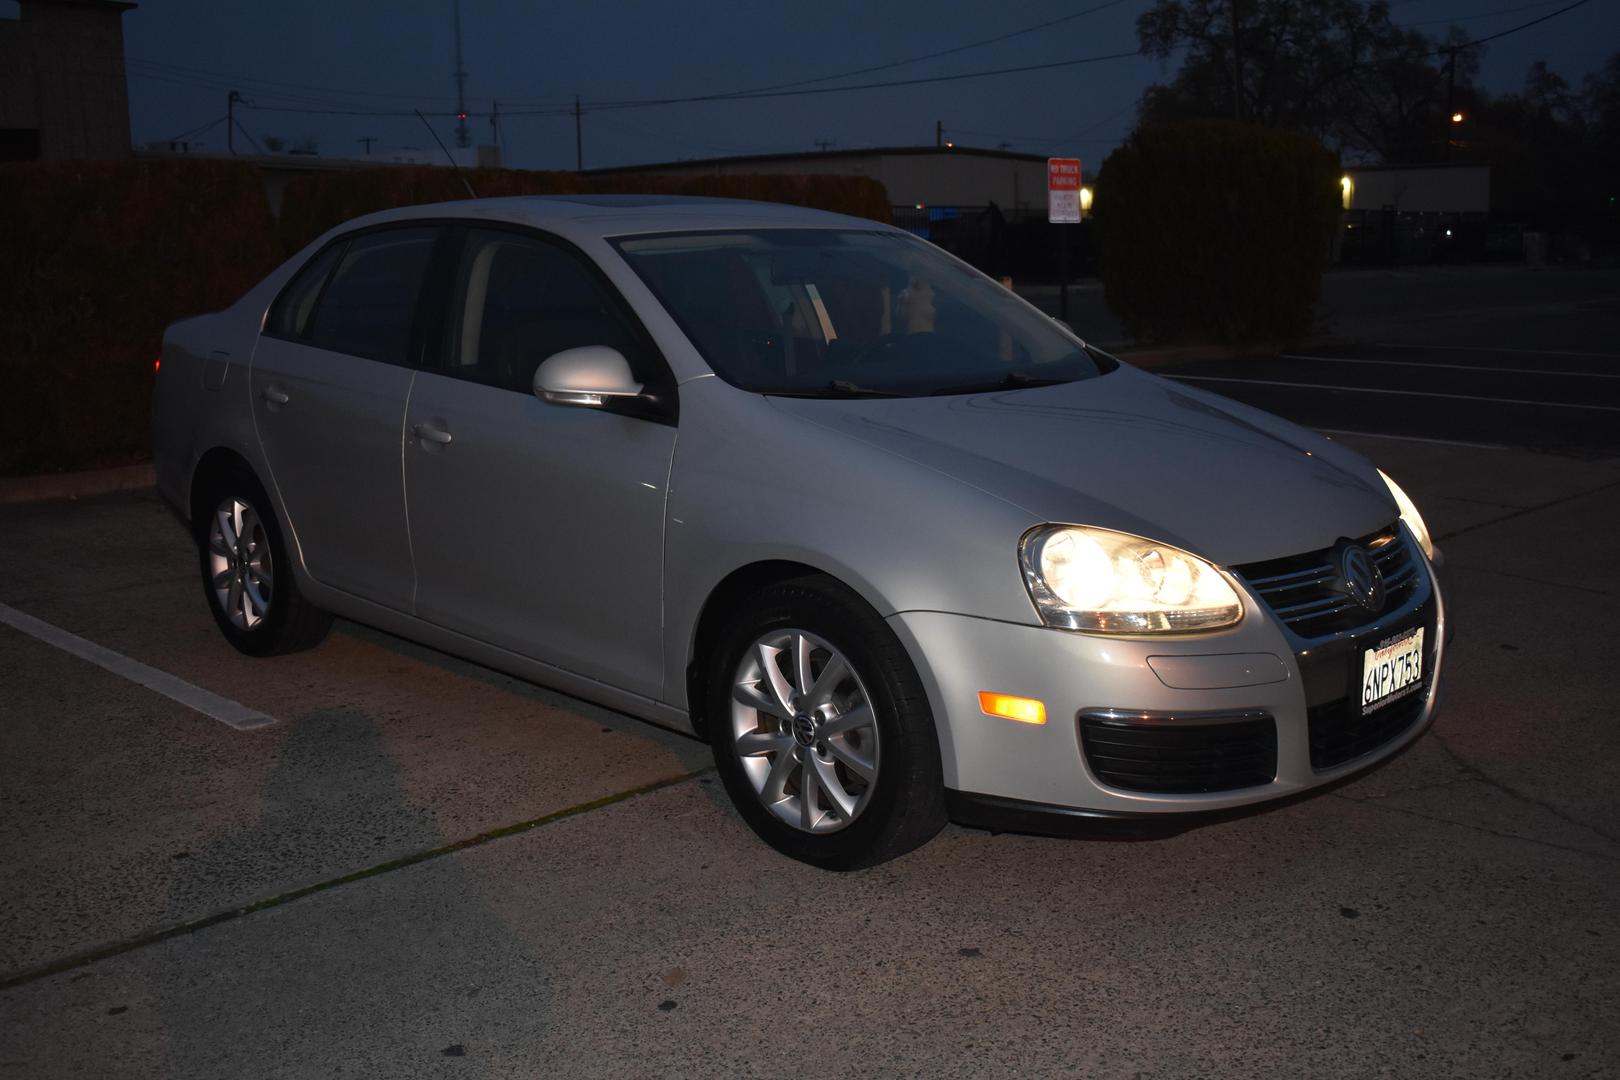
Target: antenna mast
(461, 87)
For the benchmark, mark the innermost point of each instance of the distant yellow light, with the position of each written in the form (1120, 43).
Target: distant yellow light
(1085, 199)
(1347, 186)
(1022, 709)
(949, 145)
(1456, 118)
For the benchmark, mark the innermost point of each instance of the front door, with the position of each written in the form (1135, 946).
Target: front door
(330, 378)
(537, 527)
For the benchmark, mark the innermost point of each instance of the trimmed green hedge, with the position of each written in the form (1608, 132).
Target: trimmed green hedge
(1213, 230)
(317, 202)
(96, 258)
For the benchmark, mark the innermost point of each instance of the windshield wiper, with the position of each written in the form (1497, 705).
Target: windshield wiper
(1011, 381)
(837, 388)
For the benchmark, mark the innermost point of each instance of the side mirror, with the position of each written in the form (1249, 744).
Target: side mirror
(591, 376)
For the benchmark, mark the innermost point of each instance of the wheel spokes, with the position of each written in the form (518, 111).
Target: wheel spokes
(846, 756)
(827, 779)
(831, 675)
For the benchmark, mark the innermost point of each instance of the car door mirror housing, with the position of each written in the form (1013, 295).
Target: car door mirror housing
(592, 376)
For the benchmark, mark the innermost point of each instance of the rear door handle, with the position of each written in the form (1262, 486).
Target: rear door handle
(274, 394)
(431, 433)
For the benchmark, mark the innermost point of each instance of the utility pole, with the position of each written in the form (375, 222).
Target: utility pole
(461, 87)
(1237, 68)
(823, 144)
(1451, 105)
(495, 121)
(579, 139)
(939, 133)
(230, 119)
(367, 140)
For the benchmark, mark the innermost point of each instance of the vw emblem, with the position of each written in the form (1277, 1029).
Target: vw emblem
(804, 729)
(1360, 578)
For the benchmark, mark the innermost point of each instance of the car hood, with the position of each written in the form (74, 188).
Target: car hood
(1133, 452)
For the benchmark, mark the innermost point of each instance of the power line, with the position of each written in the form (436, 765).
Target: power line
(638, 103)
(936, 55)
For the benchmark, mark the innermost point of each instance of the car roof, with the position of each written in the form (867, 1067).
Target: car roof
(586, 216)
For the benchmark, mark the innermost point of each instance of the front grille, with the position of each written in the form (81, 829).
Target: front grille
(1180, 758)
(1339, 732)
(1305, 590)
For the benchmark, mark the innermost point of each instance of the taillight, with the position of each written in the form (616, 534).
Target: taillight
(157, 365)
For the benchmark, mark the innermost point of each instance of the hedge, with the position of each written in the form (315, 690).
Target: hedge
(96, 258)
(312, 204)
(1214, 230)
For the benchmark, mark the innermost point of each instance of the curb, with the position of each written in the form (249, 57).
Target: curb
(76, 485)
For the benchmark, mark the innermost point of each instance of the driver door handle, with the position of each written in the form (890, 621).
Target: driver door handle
(431, 433)
(274, 394)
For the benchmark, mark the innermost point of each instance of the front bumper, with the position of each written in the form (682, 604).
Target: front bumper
(1038, 778)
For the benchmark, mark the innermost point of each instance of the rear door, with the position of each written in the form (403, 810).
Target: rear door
(538, 527)
(330, 379)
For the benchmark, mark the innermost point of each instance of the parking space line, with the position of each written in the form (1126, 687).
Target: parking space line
(1453, 367)
(192, 697)
(1395, 393)
(1498, 348)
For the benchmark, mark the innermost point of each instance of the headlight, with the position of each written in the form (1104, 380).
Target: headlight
(1096, 579)
(1410, 515)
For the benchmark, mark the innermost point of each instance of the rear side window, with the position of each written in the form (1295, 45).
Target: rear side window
(289, 317)
(368, 306)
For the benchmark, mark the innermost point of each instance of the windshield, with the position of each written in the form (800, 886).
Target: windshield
(851, 313)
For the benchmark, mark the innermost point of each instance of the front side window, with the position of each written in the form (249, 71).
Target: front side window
(849, 313)
(518, 300)
(369, 305)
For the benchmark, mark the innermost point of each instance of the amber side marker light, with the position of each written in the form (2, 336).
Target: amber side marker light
(1022, 709)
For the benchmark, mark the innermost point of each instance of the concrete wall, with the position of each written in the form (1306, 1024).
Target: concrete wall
(62, 74)
(1454, 189)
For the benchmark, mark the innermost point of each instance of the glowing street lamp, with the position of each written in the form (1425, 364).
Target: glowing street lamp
(1085, 200)
(1456, 118)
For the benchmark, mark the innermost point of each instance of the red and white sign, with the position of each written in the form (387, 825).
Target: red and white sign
(1063, 190)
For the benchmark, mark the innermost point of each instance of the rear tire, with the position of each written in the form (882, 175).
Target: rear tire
(821, 729)
(247, 578)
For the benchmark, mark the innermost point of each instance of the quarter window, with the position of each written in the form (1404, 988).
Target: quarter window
(289, 317)
(520, 300)
(369, 305)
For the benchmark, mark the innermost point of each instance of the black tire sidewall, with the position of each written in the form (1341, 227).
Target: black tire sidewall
(907, 806)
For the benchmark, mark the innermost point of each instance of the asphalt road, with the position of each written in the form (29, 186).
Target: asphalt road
(422, 868)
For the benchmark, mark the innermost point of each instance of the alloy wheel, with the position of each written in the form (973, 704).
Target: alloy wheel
(239, 566)
(803, 731)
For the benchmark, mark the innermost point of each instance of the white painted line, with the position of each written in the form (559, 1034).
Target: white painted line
(1497, 348)
(1395, 393)
(1454, 367)
(206, 702)
(1414, 438)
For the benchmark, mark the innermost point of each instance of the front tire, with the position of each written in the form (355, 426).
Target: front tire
(821, 729)
(247, 578)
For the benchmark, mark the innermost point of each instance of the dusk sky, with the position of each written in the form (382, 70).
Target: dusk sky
(344, 56)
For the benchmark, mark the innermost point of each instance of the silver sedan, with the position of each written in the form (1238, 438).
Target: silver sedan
(900, 547)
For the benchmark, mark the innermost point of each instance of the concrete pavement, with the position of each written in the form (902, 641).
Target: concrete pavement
(1453, 914)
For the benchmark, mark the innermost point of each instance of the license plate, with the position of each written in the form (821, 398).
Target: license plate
(1391, 670)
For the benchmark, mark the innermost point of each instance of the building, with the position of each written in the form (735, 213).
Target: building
(1419, 189)
(62, 88)
(915, 176)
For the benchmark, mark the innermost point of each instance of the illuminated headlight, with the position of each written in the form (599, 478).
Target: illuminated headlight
(1116, 583)
(1410, 515)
